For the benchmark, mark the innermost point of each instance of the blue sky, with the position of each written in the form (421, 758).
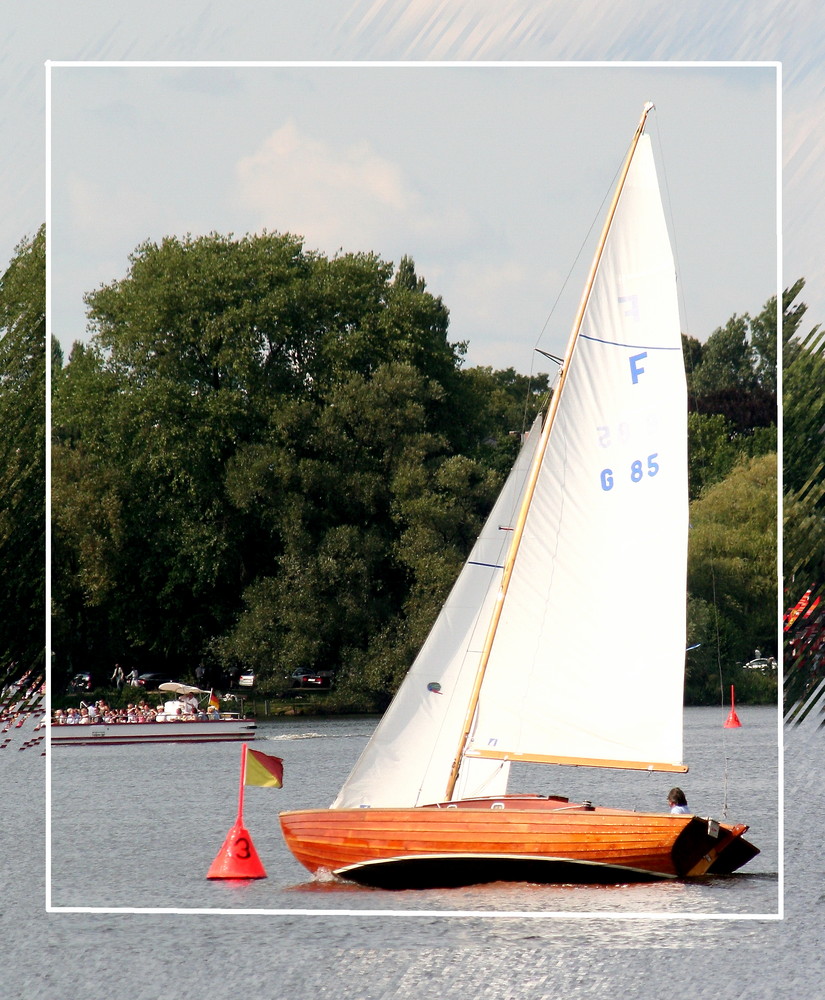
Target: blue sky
(490, 177)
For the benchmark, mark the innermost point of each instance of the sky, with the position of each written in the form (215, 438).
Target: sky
(492, 178)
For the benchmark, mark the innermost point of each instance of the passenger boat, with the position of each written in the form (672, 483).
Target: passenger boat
(230, 726)
(183, 731)
(594, 515)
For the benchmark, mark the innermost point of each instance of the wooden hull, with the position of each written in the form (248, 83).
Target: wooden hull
(512, 838)
(218, 731)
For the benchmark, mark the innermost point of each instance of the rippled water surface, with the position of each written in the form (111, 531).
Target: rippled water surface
(149, 820)
(136, 831)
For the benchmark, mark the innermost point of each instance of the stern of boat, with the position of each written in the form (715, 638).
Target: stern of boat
(708, 847)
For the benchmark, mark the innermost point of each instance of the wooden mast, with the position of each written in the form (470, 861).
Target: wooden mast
(518, 531)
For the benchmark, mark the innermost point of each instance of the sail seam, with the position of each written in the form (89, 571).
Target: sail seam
(632, 347)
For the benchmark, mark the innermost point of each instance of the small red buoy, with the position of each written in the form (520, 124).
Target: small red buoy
(238, 857)
(732, 721)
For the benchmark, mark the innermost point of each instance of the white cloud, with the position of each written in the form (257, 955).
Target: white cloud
(350, 197)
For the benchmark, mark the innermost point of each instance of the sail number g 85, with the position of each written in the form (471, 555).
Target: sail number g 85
(636, 474)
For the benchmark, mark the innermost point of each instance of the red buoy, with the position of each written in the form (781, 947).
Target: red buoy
(732, 721)
(238, 857)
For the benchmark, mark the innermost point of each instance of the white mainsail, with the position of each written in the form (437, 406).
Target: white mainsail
(587, 663)
(409, 756)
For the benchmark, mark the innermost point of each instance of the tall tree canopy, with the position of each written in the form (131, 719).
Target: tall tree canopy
(732, 393)
(266, 456)
(22, 457)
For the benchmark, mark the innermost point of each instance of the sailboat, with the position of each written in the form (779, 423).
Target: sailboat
(595, 508)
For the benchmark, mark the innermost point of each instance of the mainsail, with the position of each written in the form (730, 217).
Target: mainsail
(587, 663)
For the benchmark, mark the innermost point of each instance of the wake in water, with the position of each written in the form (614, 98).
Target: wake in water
(295, 736)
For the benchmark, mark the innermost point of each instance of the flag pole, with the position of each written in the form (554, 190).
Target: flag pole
(243, 782)
(238, 857)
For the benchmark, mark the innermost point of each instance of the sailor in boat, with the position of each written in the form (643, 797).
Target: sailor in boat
(677, 801)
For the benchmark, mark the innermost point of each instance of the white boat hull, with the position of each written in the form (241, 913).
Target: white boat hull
(216, 731)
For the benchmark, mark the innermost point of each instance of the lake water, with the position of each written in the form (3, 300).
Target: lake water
(133, 831)
(154, 818)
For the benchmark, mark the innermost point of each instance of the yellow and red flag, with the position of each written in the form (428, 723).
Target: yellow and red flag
(263, 769)
(213, 700)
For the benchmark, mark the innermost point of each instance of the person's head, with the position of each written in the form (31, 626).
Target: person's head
(676, 797)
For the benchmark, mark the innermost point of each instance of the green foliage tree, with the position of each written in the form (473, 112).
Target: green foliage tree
(732, 574)
(258, 457)
(22, 457)
(732, 393)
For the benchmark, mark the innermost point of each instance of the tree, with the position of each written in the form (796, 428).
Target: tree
(22, 456)
(237, 454)
(732, 569)
(732, 394)
(734, 373)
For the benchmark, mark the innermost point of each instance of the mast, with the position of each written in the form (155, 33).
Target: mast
(518, 530)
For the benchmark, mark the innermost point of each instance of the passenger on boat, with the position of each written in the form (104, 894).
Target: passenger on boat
(677, 801)
(189, 703)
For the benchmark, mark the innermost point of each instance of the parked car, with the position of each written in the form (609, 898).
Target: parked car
(151, 680)
(81, 682)
(246, 681)
(312, 678)
(763, 663)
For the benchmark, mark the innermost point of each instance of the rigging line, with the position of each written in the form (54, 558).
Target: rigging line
(725, 784)
(596, 217)
(599, 214)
